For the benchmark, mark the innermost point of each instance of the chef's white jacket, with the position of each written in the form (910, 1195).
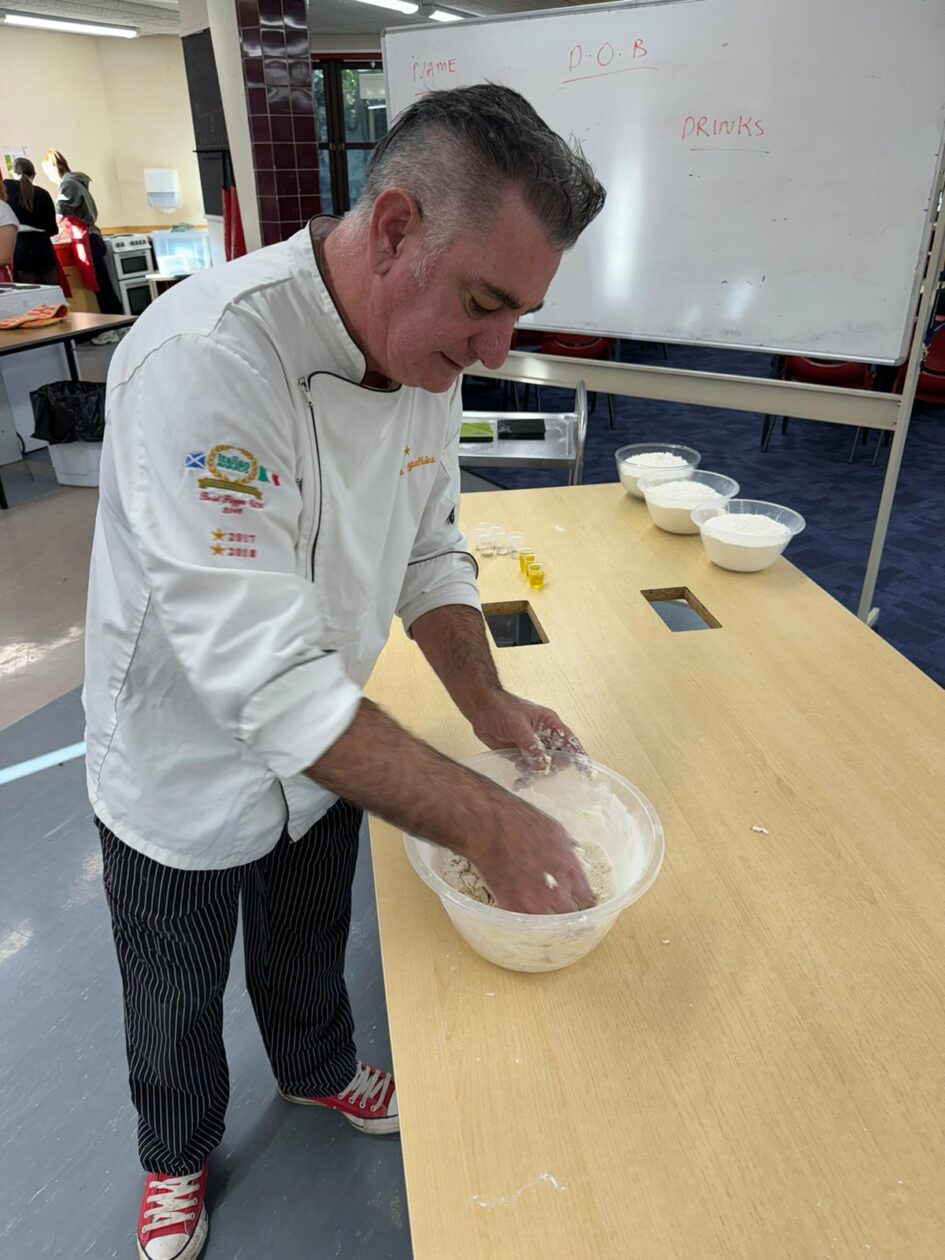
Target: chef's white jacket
(262, 517)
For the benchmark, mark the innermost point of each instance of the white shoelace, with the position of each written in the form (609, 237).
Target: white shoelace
(368, 1085)
(171, 1198)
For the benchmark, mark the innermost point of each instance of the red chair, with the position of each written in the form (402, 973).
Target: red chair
(840, 373)
(578, 346)
(931, 374)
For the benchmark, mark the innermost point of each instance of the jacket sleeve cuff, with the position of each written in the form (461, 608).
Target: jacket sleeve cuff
(437, 583)
(295, 718)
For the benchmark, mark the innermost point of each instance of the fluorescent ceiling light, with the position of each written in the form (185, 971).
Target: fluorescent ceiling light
(399, 6)
(70, 28)
(440, 15)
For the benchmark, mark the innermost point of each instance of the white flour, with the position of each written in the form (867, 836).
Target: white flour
(745, 542)
(462, 875)
(637, 466)
(610, 848)
(671, 502)
(682, 494)
(656, 459)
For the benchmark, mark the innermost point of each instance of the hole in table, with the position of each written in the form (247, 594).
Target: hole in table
(679, 609)
(513, 624)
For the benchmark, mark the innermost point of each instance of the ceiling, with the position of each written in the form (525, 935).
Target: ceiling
(326, 17)
(348, 17)
(150, 17)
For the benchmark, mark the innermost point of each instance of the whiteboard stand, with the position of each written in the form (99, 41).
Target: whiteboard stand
(933, 271)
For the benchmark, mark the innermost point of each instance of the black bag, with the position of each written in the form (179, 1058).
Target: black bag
(69, 411)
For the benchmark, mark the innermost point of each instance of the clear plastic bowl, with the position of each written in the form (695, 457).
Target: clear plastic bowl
(677, 517)
(747, 555)
(548, 942)
(630, 474)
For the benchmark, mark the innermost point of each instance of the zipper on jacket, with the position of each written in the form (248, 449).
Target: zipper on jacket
(307, 395)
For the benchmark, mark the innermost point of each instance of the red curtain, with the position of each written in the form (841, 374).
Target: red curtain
(234, 243)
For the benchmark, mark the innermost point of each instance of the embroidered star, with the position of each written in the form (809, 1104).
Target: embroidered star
(406, 450)
(217, 550)
(219, 535)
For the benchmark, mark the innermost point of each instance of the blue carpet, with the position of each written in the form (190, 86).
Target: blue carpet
(805, 469)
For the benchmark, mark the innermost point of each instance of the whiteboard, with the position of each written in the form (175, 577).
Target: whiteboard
(770, 164)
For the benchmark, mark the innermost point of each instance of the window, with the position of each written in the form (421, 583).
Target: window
(351, 108)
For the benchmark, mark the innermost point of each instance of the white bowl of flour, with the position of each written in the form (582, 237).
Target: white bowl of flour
(656, 459)
(620, 843)
(746, 535)
(671, 503)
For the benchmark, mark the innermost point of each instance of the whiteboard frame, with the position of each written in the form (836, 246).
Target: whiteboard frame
(860, 408)
(924, 245)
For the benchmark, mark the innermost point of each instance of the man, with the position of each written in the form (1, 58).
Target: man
(279, 478)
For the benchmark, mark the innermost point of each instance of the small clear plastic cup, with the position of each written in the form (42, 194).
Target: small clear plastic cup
(485, 540)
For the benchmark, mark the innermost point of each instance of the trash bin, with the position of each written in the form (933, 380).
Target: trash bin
(70, 416)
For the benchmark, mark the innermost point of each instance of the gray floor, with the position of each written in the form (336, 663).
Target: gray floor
(287, 1182)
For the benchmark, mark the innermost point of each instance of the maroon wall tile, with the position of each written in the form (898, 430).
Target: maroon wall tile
(250, 41)
(273, 41)
(262, 157)
(284, 156)
(256, 99)
(277, 73)
(280, 125)
(277, 100)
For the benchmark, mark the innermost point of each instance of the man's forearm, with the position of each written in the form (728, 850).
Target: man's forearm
(526, 858)
(382, 767)
(453, 639)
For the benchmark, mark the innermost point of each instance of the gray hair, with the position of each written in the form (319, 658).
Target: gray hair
(459, 152)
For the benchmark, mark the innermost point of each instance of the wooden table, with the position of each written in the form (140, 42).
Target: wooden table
(751, 1064)
(77, 327)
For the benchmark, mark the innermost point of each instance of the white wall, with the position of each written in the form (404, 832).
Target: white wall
(112, 107)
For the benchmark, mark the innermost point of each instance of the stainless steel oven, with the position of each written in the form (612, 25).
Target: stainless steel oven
(132, 261)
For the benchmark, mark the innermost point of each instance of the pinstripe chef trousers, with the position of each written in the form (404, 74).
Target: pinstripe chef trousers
(174, 932)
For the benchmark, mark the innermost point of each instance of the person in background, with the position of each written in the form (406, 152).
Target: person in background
(76, 207)
(9, 226)
(34, 260)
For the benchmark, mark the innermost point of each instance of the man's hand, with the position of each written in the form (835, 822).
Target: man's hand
(515, 846)
(453, 639)
(531, 867)
(507, 721)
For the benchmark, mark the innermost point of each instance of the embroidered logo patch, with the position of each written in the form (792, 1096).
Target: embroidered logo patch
(410, 464)
(234, 471)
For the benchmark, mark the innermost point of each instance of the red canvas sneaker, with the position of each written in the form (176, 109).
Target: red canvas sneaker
(173, 1222)
(369, 1102)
